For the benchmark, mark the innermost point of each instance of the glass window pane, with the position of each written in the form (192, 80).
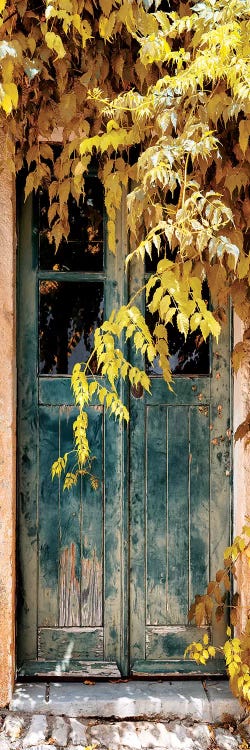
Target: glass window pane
(83, 250)
(69, 313)
(187, 357)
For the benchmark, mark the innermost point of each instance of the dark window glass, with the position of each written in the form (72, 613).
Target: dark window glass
(188, 356)
(69, 313)
(151, 262)
(83, 250)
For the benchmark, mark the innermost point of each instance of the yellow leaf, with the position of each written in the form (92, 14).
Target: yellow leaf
(6, 104)
(106, 25)
(112, 125)
(205, 639)
(29, 184)
(10, 97)
(54, 42)
(183, 324)
(244, 134)
(111, 236)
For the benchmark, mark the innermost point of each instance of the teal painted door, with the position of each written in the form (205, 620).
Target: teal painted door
(71, 549)
(106, 576)
(179, 499)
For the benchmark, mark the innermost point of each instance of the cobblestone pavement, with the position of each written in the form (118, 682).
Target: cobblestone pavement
(38, 732)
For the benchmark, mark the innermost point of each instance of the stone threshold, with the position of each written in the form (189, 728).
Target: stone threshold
(205, 700)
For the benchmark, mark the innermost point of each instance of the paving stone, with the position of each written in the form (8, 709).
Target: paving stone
(223, 704)
(60, 731)
(128, 735)
(37, 731)
(201, 736)
(77, 733)
(13, 726)
(154, 735)
(4, 743)
(225, 740)
(107, 735)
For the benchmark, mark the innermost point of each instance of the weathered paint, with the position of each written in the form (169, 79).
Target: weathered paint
(170, 640)
(76, 537)
(173, 667)
(180, 507)
(67, 665)
(80, 598)
(79, 643)
(176, 522)
(92, 591)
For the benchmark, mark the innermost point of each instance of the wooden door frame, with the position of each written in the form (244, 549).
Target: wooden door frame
(9, 444)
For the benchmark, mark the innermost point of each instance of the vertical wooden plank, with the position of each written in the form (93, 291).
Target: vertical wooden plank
(112, 539)
(48, 517)
(199, 528)
(178, 514)
(27, 443)
(138, 531)
(156, 493)
(70, 524)
(92, 529)
(115, 493)
(137, 489)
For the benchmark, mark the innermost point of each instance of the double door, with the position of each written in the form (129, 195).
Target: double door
(107, 572)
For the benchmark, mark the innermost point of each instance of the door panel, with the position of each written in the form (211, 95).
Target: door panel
(180, 507)
(71, 592)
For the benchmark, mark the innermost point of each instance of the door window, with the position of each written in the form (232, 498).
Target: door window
(71, 282)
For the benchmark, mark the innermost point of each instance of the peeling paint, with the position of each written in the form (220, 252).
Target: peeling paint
(80, 602)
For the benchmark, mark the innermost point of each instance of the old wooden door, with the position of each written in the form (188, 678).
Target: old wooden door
(179, 497)
(84, 604)
(71, 549)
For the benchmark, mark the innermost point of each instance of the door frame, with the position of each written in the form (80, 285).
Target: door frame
(8, 403)
(28, 394)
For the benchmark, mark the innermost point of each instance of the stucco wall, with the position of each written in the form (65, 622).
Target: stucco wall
(241, 462)
(7, 435)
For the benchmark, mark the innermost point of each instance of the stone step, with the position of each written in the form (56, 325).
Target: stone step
(196, 700)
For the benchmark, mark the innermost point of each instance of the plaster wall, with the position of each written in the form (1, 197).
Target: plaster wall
(241, 462)
(7, 434)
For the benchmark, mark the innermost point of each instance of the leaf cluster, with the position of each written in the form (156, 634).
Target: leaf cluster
(236, 650)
